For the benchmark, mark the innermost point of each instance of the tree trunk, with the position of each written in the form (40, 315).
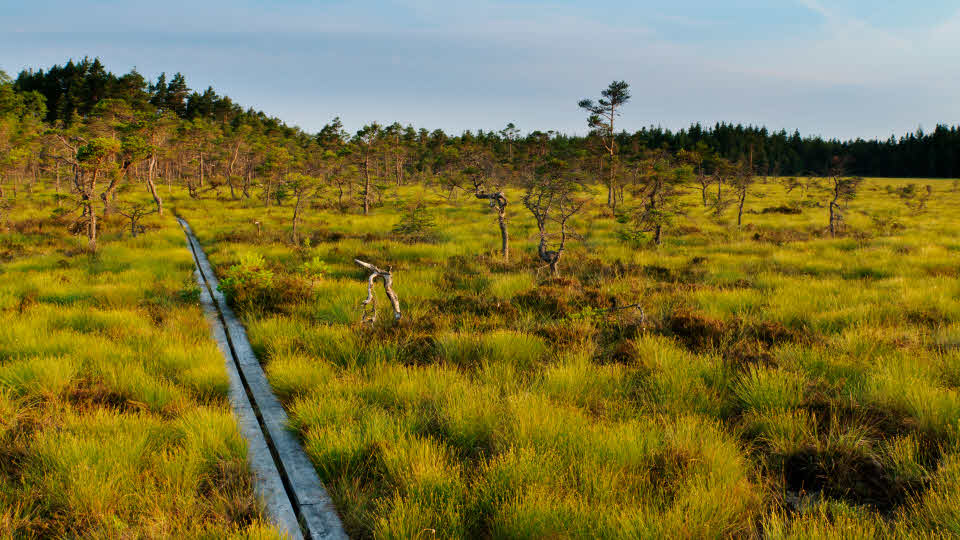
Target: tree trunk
(504, 236)
(296, 219)
(552, 258)
(366, 184)
(91, 226)
(743, 198)
(833, 231)
(233, 161)
(833, 208)
(153, 187)
(58, 185)
(399, 170)
(88, 196)
(612, 183)
(611, 196)
(233, 195)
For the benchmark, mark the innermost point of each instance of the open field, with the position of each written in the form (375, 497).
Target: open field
(114, 421)
(780, 383)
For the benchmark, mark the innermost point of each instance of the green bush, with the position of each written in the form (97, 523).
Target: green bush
(417, 224)
(245, 283)
(315, 268)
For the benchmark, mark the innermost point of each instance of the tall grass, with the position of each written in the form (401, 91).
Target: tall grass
(114, 421)
(782, 383)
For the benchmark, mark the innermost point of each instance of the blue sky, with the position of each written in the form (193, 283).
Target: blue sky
(841, 68)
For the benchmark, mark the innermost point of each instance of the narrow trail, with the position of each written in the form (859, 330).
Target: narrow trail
(285, 479)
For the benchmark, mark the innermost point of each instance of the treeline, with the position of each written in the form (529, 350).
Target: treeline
(915, 155)
(72, 91)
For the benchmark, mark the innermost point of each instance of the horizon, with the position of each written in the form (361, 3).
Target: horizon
(843, 72)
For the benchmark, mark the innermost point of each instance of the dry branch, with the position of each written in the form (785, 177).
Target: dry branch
(369, 304)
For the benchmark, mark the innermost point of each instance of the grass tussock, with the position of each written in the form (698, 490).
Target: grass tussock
(763, 381)
(114, 421)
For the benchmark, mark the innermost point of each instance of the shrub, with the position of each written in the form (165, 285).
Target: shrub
(315, 268)
(243, 283)
(789, 209)
(417, 224)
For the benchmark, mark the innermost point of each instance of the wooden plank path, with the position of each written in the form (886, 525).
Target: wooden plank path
(286, 480)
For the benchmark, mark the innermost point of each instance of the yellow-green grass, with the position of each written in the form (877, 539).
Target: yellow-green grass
(782, 383)
(114, 421)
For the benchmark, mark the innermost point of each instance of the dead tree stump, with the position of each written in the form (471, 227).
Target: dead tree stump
(369, 304)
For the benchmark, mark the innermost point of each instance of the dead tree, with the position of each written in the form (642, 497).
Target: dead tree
(498, 202)
(370, 303)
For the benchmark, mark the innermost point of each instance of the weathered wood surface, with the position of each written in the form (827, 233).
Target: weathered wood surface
(305, 492)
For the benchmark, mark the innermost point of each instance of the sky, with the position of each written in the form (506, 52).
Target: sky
(837, 68)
